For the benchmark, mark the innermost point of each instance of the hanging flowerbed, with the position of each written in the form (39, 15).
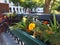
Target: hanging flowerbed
(45, 31)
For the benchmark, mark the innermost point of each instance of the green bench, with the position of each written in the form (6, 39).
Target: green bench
(26, 38)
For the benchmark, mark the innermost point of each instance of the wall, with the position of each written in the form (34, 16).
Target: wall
(4, 7)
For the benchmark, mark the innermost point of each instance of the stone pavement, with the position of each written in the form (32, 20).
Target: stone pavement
(5, 39)
(2, 42)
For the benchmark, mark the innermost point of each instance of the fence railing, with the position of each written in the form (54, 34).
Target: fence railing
(43, 16)
(22, 38)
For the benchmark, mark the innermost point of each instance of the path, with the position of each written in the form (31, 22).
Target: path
(5, 39)
(2, 42)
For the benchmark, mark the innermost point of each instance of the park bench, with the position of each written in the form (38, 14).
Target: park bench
(24, 38)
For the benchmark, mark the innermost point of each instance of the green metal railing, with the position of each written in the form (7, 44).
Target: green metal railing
(25, 38)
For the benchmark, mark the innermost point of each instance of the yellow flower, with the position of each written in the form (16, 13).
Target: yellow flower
(24, 19)
(31, 26)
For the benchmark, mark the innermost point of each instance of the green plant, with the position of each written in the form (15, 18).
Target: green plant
(54, 24)
(46, 32)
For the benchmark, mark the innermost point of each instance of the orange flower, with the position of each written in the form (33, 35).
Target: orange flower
(31, 26)
(45, 22)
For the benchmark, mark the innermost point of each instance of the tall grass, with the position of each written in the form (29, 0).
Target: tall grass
(54, 23)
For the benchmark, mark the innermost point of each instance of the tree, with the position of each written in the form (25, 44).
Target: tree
(39, 3)
(29, 3)
(51, 5)
(15, 1)
(55, 5)
(58, 9)
(46, 8)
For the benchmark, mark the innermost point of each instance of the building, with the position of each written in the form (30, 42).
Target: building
(12, 7)
(4, 8)
(38, 10)
(18, 9)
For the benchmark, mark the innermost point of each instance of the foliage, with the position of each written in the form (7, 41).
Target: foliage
(15, 1)
(55, 4)
(52, 5)
(38, 3)
(58, 8)
(10, 15)
(43, 31)
(24, 23)
(54, 24)
(54, 39)
(29, 3)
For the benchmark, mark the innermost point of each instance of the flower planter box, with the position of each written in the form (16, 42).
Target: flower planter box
(26, 38)
(44, 32)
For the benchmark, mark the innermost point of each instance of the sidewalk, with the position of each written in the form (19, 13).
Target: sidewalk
(5, 39)
(2, 42)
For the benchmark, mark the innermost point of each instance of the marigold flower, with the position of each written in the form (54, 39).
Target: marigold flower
(31, 26)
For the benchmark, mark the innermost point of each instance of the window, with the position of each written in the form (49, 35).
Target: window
(10, 9)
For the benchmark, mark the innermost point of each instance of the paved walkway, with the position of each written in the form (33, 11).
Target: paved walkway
(5, 39)
(2, 42)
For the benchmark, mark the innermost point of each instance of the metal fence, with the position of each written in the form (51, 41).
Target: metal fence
(22, 38)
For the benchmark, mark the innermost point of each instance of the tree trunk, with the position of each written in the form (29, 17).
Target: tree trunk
(47, 4)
